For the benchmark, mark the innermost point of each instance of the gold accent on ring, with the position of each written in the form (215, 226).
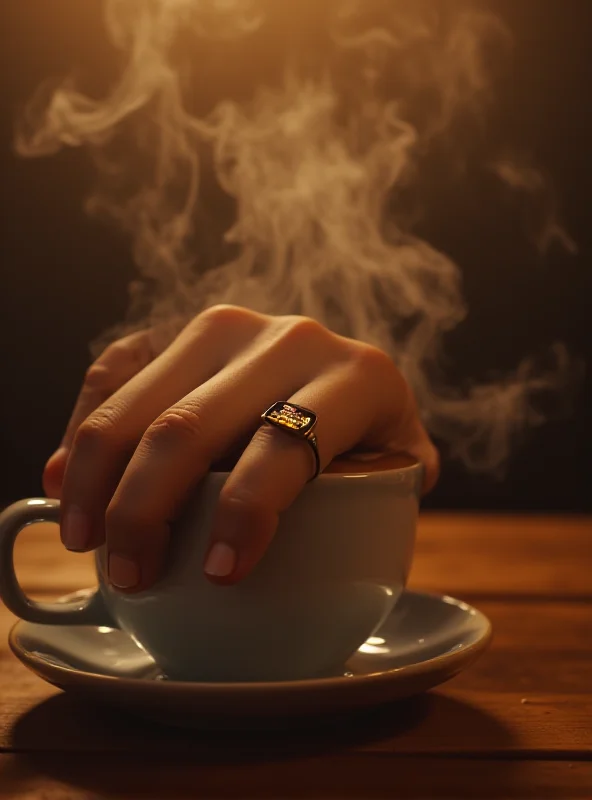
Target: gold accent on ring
(298, 422)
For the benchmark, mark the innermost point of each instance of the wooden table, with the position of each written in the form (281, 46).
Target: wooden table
(518, 724)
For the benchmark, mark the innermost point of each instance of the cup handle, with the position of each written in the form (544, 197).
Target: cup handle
(83, 611)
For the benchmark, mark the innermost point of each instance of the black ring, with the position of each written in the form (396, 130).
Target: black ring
(298, 422)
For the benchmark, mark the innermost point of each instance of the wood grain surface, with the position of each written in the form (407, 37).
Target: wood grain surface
(517, 724)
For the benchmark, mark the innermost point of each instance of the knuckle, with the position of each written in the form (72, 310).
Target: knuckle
(134, 350)
(138, 347)
(372, 361)
(222, 323)
(98, 380)
(118, 354)
(116, 350)
(224, 316)
(302, 332)
(177, 423)
(96, 432)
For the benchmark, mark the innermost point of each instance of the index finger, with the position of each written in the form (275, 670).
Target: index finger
(113, 369)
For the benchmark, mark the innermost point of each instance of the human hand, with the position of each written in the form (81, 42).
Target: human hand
(146, 428)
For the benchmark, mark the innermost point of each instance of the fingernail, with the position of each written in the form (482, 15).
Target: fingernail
(124, 572)
(75, 530)
(221, 560)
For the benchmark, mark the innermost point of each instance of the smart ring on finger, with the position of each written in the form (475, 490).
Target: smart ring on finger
(295, 421)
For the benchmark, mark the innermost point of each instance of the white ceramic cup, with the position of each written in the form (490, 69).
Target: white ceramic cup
(335, 569)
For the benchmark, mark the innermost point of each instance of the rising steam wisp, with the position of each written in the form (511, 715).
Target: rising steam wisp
(311, 165)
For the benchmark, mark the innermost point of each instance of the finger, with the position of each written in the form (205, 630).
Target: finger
(180, 446)
(408, 435)
(275, 467)
(106, 440)
(114, 367)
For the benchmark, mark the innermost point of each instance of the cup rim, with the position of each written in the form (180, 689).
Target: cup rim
(415, 466)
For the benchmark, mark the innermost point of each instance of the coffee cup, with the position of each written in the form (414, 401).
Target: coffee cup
(333, 572)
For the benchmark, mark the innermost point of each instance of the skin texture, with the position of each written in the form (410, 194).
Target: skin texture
(148, 426)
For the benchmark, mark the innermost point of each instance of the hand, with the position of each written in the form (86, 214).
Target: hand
(146, 428)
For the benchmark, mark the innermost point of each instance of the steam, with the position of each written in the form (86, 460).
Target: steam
(312, 165)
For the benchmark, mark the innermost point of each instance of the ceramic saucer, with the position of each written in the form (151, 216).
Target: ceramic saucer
(426, 640)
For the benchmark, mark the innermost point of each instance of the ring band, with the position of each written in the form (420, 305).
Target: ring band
(296, 421)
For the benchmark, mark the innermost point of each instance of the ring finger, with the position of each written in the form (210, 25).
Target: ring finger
(276, 466)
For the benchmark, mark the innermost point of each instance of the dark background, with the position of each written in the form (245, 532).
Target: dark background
(64, 276)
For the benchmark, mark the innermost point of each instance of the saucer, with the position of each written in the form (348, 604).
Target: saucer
(426, 640)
